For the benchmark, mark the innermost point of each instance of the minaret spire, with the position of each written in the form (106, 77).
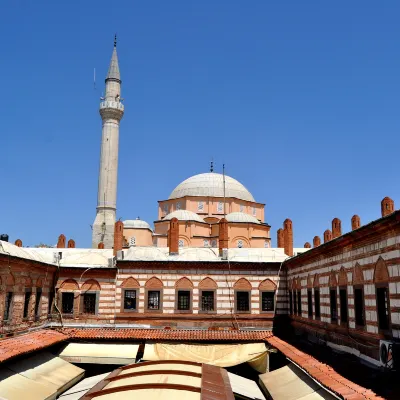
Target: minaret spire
(111, 111)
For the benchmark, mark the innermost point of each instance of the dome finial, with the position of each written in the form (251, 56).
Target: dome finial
(212, 165)
(115, 40)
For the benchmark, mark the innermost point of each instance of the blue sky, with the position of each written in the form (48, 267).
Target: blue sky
(299, 99)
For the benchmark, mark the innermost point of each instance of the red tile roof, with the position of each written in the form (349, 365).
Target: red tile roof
(167, 334)
(29, 342)
(322, 373)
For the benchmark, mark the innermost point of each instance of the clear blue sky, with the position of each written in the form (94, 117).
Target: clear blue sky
(299, 99)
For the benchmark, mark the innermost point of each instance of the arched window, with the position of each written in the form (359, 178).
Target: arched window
(267, 290)
(90, 297)
(207, 293)
(333, 297)
(242, 295)
(130, 294)
(67, 295)
(358, 289)
(240, 244)
(381, 280)
(153, 295)
(342, 281)
(181, 243)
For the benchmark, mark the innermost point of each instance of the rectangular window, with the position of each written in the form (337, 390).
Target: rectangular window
(130, 300)
(67, 303)
(317, 304)
(153, 300)
(242, 301)
(26, 304)
(309, 303)
(267, 301)
(183, 300)
(290, 303)
(7, 306)
(299, 302)
(295, 302)
(359, 306)
(37, 302)
(220, 207)
(200, 206)
(333, 296)
(343, 306)
(207, 300)
(89, 303)
(50, 305)
(382, 303)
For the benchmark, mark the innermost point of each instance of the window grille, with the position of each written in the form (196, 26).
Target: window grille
(200, 206)
(206, 243)
(309, 301)
(7, 306)
(317, 304)
(240, 244)
(37, 302)
(26, 304)
(213, 243)
(359, 306)
(130, 300)
(220, 207)
(267, 301)
(181, 243)
(153, 300)
(266, 244)
(207, 300)
(184, 300)
(132, 241)
(333, 296)
(343, 305)
(165, 209)
(178, 205)
(67, 303)
(89, 303)
(242, 301)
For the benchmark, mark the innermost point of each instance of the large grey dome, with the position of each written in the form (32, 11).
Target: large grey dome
(211, 184)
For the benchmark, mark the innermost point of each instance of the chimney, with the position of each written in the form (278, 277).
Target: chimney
(327, 236)
(61, 242)
(118, 236)
(18, 243)
(280, 238)
(223, 236)
(307, 245)
(71, 244)
(316, 241)
(173, 236)
(100, 245)
(336, 228)
(387, 206)
(355, 222)
(288, 236)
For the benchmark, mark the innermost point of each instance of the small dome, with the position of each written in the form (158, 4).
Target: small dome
(183, 215)
(136, 223)
(211, 185)
(242, 217)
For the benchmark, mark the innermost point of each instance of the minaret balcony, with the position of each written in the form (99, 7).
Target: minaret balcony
(112, 104)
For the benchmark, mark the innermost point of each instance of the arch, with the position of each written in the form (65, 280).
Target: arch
(186, 240)
(130, 282)
(69, 284)
(39, 283)
(25, 281)
(245, 241)
(91, 284)
(267, 284)
(358, 277)
(332, 279)
(184, 283)
(381, 273)
(242, 284)
(309, 281)
(342, 279)
(316, 281)
(208, 283)
(153, 283)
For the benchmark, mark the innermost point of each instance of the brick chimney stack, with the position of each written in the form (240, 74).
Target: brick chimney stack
(61, 242)
(307, 245)
(336, 228)
(288, 236)
(100, 245)
(280, 238)
(118, 236)
(387, 206)
(316, 241)
(223, 235)
(173, 236)
(71, 244)
(327, 236)
(355, 222)
(18, 243)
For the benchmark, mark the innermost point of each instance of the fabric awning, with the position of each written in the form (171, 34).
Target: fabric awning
(291, 383)
(245, 387)
(44, 376)
(77, 391)
(220, 355)
(94, 353)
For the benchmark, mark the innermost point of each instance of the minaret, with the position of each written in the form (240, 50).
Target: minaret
(111, 111)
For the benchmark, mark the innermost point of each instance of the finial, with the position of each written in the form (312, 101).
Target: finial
(115, 40)
(212, 167)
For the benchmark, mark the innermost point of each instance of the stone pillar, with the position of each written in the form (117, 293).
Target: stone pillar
(118, 236)
(288, 236)
(223, 242)
(173, 236)
(280, 238)
(355, 222)
(336, 228)
(387, 206)
(316, 241)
